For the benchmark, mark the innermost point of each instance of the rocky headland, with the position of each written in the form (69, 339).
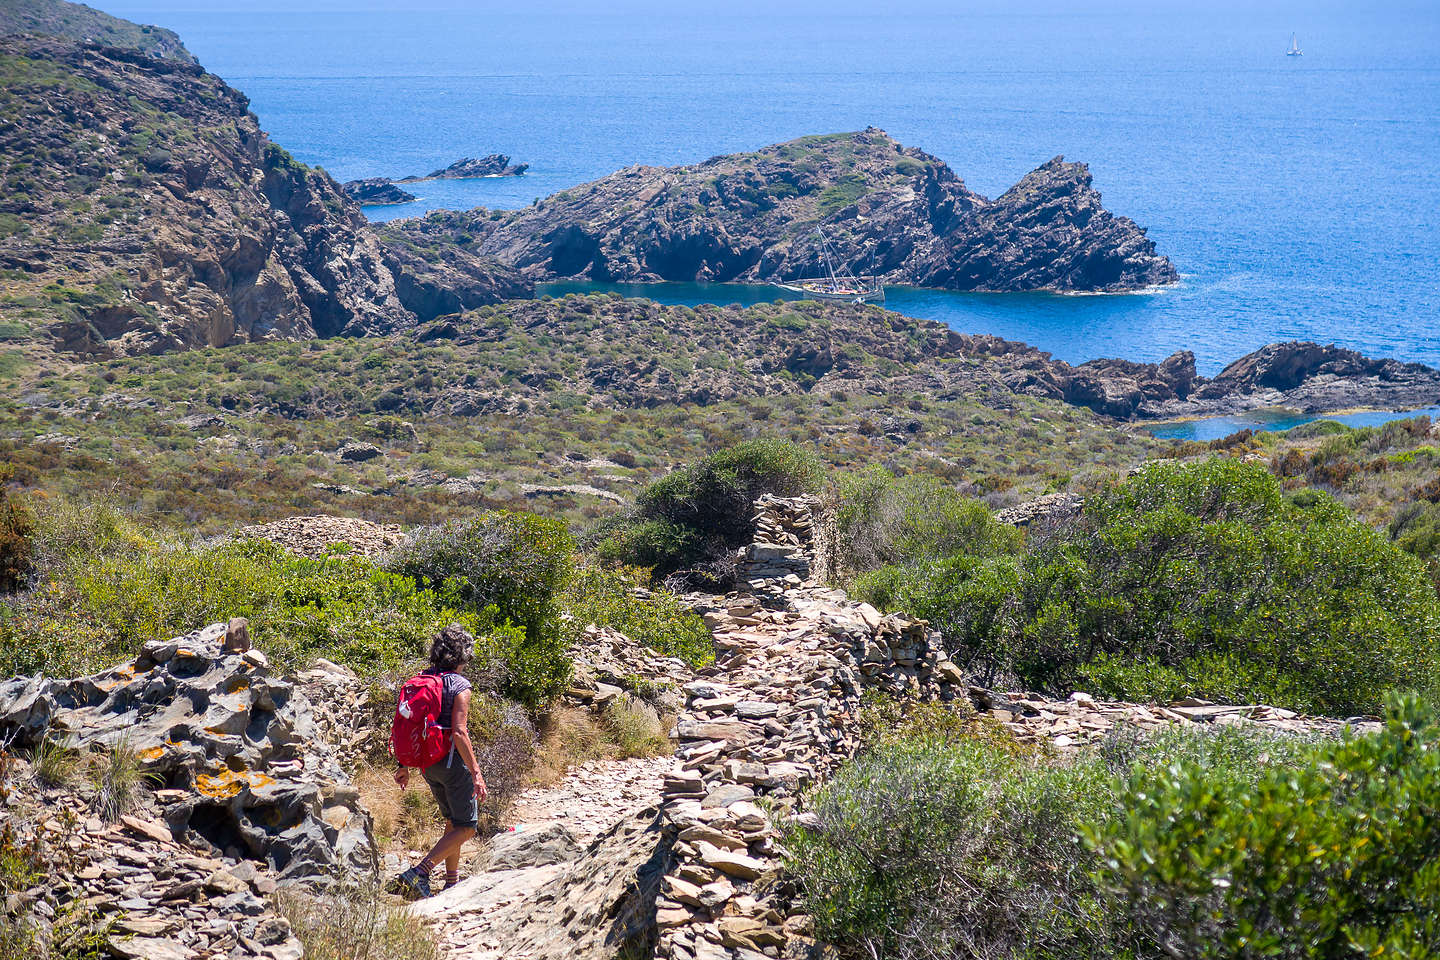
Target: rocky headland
(76, 21)
(1301, 376)
(375, 192)
(143, 210)
(885, 209)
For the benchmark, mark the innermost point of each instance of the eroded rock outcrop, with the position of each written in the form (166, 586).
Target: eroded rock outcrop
(375, 192)
(470, 168)
(886, 209)
(246, 774)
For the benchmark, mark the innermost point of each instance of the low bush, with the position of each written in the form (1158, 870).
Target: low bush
(1192, 843)
(355, 922)
(652, 616)
(16, 530)
(1192, 580)
(512, 566)
(702, 513)
(635, 728)
(883, 519)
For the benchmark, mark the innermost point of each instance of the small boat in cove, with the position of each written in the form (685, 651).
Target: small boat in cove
(1294, 50)
(833, 286)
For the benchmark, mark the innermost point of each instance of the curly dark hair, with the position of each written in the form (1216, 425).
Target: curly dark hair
(452, 648)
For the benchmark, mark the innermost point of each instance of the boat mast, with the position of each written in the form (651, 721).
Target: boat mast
(825, 255)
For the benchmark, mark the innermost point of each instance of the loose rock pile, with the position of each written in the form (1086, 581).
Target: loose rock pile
(608, 663)
(1080, 720)
(779, 557)
(161, 899)
(313, 536)
(247, 773)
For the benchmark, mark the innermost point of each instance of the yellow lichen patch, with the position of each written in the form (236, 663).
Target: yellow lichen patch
(151, 753)
(119, 675)
(227, 783)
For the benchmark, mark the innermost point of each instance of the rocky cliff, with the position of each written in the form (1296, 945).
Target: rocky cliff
(144, 210)
(886, 209)
(75, 21)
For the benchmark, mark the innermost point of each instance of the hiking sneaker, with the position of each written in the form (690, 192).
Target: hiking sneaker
(412, 885)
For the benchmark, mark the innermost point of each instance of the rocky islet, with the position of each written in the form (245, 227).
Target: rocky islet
(885, 209)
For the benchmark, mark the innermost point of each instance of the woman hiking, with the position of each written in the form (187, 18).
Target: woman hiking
(430, 733)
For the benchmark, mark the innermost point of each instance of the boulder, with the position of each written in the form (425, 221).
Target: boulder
(252, 775)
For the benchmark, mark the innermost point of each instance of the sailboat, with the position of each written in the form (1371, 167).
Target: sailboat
(835, 286)
(1294, 50)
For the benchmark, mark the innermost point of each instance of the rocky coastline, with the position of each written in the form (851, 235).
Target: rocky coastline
(1305, 377)
(885, 209)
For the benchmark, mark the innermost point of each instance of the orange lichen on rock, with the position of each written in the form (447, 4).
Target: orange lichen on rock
(151, 753)
(227, 783)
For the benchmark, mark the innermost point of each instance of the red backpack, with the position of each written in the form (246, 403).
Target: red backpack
(416, 737)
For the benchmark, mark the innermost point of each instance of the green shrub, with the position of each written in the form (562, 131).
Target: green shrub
(1201, 580)
(1190, 843)
(652, 616)
(512, 565)
(16, 530)
(1205, 580)
(932, 850)
(884, 519)
(1334, 857)
(705, 511)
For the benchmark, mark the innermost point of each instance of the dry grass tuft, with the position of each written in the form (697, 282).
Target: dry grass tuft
(634, 728)
(356, 922)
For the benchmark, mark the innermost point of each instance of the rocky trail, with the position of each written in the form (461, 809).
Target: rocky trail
(677, 857)
(689, 859)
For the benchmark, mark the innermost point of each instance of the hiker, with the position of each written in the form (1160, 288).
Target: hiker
(430, 732)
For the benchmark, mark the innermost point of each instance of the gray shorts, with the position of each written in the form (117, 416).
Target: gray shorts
(454, 790)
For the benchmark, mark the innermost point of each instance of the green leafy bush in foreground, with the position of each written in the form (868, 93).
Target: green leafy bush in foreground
(107, 586)
(1202, 579)
(653, 616)
(703, 512)
(1196, 844)
(513, 565)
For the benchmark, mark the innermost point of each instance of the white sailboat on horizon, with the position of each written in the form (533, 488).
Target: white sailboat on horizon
(1294, 50)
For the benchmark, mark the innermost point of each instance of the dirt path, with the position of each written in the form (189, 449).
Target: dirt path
(471, 921)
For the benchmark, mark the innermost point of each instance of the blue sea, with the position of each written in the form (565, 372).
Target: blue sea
(1298, 196)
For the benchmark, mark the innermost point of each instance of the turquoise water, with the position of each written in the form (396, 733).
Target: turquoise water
(1213, 428)
(1298, 196)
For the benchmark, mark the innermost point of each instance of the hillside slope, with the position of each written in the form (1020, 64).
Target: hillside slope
(886, 209)
(142, 209)
(76, 21)
(572, 402)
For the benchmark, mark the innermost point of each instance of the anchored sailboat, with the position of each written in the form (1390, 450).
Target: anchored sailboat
(1294, 50)
(833, 286)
